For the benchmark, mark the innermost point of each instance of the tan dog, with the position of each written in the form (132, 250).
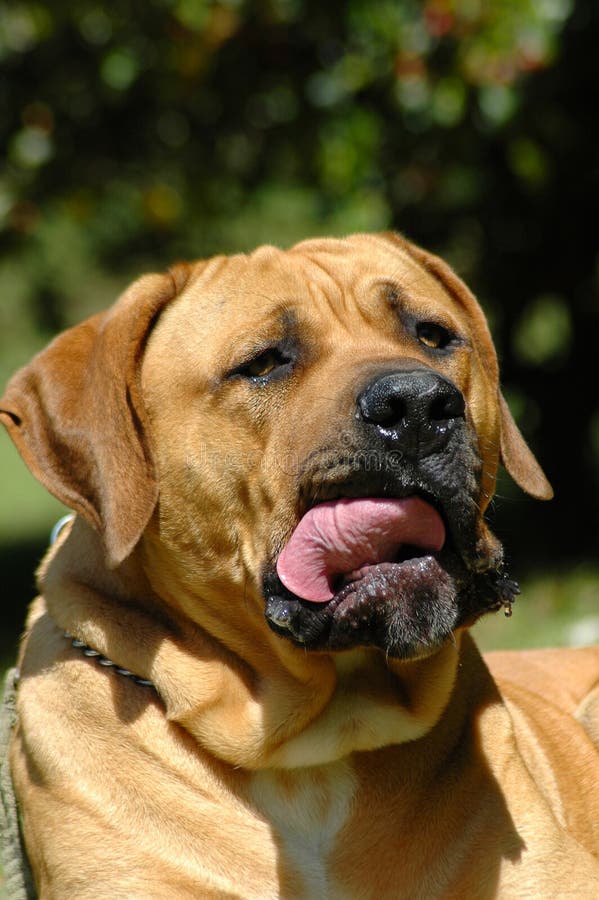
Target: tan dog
(280, 464)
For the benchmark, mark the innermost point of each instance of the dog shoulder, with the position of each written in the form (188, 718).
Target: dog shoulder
(565, 677)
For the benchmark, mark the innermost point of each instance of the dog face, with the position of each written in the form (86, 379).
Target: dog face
(237, 421)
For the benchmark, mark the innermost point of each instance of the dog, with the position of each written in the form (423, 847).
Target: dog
(249, 671)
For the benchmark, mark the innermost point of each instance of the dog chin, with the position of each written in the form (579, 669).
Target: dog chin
(406, 609)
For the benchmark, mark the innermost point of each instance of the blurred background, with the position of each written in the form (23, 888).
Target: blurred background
(135, 134)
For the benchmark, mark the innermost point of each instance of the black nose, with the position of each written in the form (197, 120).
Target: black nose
(417, 409)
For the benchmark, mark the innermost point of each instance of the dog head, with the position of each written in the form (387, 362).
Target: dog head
(309, 435)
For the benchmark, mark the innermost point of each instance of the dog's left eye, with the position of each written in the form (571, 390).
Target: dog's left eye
(263, 365)
(433, 336)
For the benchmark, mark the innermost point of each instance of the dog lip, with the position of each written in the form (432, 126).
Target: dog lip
(406, 553)
(353, 490)
(365, 573)
(368, 575)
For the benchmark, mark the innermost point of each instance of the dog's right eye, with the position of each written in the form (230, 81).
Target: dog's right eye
(433, 335)
(261, 367)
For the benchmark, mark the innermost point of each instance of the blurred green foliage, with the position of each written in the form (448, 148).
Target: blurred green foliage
(137, 133)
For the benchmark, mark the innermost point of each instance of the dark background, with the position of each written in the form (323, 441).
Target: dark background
(139, 133)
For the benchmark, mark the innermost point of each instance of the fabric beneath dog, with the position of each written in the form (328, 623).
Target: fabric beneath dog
(18, 879)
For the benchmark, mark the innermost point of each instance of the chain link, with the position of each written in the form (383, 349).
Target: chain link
(104, 661)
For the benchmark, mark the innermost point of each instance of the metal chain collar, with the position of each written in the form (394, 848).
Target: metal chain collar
(81, 645)
(104, 661)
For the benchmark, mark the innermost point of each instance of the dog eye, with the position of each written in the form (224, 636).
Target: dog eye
(263, 365)
(433, 336)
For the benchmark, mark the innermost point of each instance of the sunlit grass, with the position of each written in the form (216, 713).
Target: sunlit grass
(26, 508)
(555, 609)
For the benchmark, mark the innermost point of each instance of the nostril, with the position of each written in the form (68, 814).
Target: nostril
(396, 410)
(447, 406)
(383, 409)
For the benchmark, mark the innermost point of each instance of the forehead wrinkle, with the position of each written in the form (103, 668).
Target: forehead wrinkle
(278, 322)
(324, 284)
(417, 276)
(277, 305)
(404, 300)
(426, 282)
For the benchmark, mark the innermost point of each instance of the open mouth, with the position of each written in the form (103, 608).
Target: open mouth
(379, 571)
(346, 541)
(366, 571)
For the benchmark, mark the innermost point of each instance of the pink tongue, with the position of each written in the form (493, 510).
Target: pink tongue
(339, 537)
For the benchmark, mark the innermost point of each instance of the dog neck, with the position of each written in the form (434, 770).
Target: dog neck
(272, 705)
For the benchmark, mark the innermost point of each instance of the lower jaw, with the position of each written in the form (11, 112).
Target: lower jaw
(406, 610)
(403, 609)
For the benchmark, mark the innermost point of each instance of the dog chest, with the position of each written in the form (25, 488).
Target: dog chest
(306, 810)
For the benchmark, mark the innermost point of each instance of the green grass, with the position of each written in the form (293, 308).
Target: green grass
(26, 508)
(555, 609)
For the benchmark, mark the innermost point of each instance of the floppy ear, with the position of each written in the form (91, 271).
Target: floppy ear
(518, 459)
(77, 417)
